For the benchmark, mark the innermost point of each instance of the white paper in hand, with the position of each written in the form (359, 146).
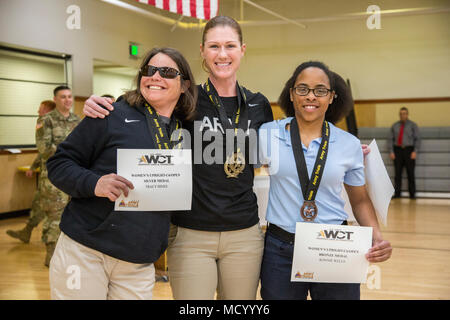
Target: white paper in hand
(378, 183)
(330, 253)
(162, 179)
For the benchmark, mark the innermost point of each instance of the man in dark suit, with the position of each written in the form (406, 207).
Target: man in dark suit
(403, 143)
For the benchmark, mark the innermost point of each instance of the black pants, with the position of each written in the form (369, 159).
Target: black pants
(276, 277)
(403, 159)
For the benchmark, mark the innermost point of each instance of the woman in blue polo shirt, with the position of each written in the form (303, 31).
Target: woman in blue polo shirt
(313, 98)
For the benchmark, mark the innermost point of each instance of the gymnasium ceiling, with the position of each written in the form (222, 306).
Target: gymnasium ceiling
(307, 13)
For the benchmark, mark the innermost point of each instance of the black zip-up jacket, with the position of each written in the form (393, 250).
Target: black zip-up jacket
(88, 153)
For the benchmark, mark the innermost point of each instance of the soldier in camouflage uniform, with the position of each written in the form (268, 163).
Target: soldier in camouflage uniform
(36, 213)
(56, 126)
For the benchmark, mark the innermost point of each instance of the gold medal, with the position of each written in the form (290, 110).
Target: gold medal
(234, 165)
(308, 211)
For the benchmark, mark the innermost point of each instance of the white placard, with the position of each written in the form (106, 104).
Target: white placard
(330, 253)
(162, 179)
(378, 184)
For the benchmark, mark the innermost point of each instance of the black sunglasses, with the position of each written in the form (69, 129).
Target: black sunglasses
(165, 72)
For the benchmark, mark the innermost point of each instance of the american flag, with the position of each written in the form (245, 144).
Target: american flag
(200, 9)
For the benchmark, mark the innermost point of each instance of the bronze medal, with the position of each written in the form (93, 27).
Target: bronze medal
(309, 186)
(308, 211)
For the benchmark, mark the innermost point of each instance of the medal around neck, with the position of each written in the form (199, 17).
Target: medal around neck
(309, 211)
(235, 162)
(234, 165)
(309, 186)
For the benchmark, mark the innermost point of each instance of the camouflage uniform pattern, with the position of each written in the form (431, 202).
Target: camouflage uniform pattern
(36, 213)
(51, 131)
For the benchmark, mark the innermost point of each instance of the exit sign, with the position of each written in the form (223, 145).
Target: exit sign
(134, 50)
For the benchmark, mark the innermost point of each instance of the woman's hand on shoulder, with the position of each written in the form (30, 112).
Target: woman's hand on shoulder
(93, 107)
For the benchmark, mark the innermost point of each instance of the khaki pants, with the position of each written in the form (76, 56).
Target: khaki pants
(80, 273)
(201, 262)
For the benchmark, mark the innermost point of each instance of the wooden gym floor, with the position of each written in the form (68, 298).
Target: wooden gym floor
(418, 269)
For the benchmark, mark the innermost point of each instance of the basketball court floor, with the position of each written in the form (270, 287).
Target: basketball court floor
(418, 269)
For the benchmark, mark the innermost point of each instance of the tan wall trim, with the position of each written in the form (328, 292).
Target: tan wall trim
(403, 100)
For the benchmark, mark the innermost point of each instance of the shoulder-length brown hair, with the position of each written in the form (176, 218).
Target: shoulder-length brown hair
(185, 107)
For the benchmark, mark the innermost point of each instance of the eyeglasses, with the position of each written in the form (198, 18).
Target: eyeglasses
(318, 92)
(165, 72)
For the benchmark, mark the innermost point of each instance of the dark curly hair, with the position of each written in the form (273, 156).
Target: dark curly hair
(342, 103)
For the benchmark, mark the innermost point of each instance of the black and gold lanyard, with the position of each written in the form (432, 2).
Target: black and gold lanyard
(240, 119)
(235, 162)
(308, 186)
(159, 134)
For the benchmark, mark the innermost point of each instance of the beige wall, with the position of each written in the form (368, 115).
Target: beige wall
(18, 130)
(408, 57)
(105, 33)
(111, 83)
(378, 69)
(425, 114)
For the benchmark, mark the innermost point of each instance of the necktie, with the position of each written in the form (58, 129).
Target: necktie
(400, 135)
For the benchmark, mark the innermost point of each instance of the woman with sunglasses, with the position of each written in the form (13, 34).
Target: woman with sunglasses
(313, 99)
(218, 245)
(103, 253)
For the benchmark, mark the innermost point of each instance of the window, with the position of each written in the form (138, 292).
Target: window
(26, 79)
